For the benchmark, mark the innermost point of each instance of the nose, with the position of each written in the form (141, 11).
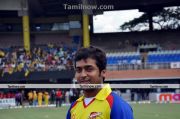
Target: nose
(83, 73)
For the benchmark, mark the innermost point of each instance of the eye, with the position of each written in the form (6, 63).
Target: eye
(89, 69)
(78, 70)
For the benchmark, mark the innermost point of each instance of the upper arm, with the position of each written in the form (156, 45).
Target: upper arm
(68, 115)
(120, 109)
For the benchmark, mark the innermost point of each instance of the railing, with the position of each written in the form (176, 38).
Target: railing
(159, 65)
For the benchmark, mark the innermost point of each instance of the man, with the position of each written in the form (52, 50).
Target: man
(58, 98)
(96, 103)
(53, 96)
(30, 97)
(35, 98)
(40, 98)
(46, 98)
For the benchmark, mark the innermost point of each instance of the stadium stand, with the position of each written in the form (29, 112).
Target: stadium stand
(42, 58)
(164, 56)
(119, 58)
(150, 58)
(159, 59)
(130, 41)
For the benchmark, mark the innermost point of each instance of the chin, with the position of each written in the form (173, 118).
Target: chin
(89, 89)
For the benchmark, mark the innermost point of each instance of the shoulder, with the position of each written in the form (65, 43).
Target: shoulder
(73, 104)
(120, 109)
(68, 115)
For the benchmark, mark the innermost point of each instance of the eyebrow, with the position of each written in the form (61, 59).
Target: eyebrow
(86, 66)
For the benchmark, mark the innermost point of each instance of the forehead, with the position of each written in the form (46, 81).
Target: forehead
(85, 62)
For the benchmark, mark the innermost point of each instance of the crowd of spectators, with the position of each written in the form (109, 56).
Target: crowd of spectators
(41, 58)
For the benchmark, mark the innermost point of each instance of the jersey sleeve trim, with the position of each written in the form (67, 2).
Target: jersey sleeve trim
(110, 100)
(68, 116)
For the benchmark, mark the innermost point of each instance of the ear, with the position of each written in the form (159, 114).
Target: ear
(103, 73)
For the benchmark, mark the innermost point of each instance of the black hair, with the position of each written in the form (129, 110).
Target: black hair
(92, 52)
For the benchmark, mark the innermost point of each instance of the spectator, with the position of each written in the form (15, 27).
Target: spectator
(67, 97)
(53, 97)
(58, 98)
(46, 98)
(40, 98)
(40, 59)
(34, 98)
(30, 97)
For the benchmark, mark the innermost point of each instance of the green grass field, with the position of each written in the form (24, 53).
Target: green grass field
(141, 111)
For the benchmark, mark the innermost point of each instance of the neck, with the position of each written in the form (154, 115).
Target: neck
(91, 92)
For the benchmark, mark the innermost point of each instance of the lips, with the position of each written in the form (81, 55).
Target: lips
(84, 81)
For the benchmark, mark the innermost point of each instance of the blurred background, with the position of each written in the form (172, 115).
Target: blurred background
(38, 40)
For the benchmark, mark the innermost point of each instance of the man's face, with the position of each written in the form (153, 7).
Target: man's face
(87, 72)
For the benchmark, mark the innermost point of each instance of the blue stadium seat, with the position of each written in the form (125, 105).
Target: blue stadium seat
(164, 56)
